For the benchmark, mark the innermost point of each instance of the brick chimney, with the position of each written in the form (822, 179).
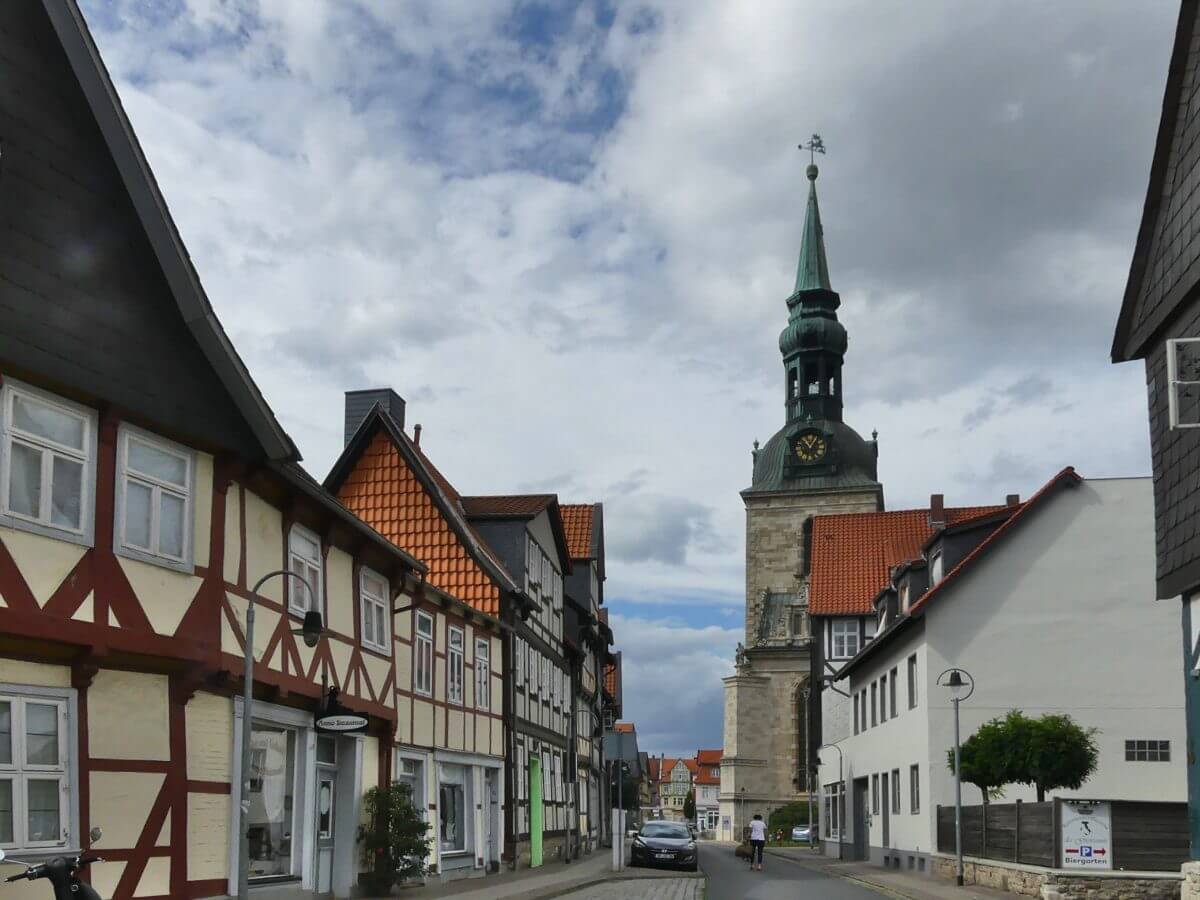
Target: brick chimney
(360, 403)
(1012, 500)
(937, 510)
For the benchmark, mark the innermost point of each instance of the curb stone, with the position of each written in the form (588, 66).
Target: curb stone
(886, 890)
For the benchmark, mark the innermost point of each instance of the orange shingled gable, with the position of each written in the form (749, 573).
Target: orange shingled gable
(577, 523)
(853, 554)
(384, 492)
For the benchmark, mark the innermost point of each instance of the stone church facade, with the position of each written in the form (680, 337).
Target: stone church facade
(814, 465)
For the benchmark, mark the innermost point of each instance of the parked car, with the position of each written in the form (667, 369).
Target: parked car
(801, 834)
(664, 844)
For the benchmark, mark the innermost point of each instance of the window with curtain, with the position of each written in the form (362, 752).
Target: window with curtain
(423, 654)
(154, 478)
(454, 665)
(373, 595)
(34, 787)
(304, 553)
(483, 674)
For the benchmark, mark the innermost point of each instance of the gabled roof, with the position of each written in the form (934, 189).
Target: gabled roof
(1132, 335)
(385, 479)
(523, 507)
(709, 757)
(706, 761)
(1066, 477)
(652, 768)
(186, 290)
(577, 523)
(853, 554)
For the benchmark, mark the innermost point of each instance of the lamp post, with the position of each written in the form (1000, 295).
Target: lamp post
(311, 631)
(839, 805)
(806, 692)
(742, 810)
(959, 691)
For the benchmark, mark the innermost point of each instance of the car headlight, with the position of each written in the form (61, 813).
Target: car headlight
(638, 842)
(691, 845)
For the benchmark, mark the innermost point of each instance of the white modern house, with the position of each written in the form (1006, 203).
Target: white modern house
(1043, 604)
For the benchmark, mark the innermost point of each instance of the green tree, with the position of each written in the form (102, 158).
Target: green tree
(1060, 754)
(993, 756)
(689, 805)
(394, 845)
(788, 817)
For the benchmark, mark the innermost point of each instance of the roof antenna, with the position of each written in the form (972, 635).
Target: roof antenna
(417, 435)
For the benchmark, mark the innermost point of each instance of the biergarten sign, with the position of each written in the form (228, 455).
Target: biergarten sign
(1086, 835)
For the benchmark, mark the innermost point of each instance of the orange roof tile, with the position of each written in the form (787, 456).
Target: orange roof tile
(577, 522)
(709, 757)
(383, 491)
(501, 507)
(852, 554)
(624, 727)
(610, 679)
(652, 767)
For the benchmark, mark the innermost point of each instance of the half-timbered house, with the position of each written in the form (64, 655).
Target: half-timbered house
(146, 489)
(526, 532)
(586, 640)
(450, 734)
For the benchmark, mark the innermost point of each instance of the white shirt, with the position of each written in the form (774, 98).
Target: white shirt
(758, 830)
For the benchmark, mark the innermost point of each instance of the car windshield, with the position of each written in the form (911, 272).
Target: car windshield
(664, 830)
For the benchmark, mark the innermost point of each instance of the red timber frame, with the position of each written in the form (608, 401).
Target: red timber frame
(121, 637)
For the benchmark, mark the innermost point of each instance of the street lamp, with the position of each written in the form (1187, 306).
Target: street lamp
(742, 809)
(959, 691)
(806, 693)
(839, 802)
(311, 632)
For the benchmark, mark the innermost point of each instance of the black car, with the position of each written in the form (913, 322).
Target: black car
(664, 844)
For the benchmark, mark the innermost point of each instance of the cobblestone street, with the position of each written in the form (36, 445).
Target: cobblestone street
(643, 889)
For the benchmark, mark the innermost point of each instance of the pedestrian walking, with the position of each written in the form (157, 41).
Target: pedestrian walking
(758, 839)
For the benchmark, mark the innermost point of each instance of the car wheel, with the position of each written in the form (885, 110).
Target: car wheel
(694, 867)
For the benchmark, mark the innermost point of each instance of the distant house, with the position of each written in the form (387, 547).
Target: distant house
(1041, 604)
(707, 784)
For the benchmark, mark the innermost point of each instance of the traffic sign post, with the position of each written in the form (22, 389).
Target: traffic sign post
(1086, 835)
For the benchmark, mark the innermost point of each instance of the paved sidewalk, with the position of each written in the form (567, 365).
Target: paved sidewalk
(909, 886)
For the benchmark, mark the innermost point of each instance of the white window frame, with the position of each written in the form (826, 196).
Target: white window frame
(317, 565)
(67, 772)
(158, 487)
(483, 673)
(847, 631)
(913, 688)
(1174, 383)
(914, 790)
(936, 566)
(86, 533)
(896, 789)
(423, 654)
(372, 599)
(455, 662)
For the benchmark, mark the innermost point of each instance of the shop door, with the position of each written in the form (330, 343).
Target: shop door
(885, 805)
(325, 815)
(493, 817)
(535, 811)
(862, 818)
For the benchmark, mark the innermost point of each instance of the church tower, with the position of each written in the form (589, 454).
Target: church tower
(814, 465)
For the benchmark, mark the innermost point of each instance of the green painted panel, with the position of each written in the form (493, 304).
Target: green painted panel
(536, 812)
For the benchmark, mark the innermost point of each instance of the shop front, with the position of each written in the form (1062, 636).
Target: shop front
(461, 794)
(303, 805)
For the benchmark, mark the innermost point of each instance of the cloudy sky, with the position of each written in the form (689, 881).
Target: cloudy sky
(564, 232)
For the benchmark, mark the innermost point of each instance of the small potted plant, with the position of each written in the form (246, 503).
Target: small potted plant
(394, 845)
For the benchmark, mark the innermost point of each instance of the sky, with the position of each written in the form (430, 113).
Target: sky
(564, 232)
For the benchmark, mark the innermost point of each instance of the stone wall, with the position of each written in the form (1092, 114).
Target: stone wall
(1031, 881)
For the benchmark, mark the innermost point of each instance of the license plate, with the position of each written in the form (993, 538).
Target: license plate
(664, 855)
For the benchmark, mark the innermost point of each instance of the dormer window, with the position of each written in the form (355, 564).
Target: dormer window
(904, 601)
(843, 638)
(935, 566)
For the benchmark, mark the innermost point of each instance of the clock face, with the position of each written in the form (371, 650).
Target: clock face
(811, 447)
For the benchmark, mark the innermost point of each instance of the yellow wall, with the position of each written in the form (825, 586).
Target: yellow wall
(164, 594)
(44, 562)
(13, 671)
(339, 582)
(209, 738)
(208, 836)
(120, 804)
(233, 540)
(202, 509)
(127, 716)
(264, 545)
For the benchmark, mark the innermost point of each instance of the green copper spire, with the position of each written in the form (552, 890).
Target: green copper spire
(812, 273)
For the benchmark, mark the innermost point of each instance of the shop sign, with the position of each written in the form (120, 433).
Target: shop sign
(342, 723)
(1086, 835)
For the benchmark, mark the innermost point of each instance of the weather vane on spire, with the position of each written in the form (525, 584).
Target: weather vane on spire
(814, 146)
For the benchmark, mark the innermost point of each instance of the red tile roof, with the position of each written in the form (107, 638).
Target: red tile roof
(610, 679)
(625, 727)
(652, 767)
(513, 506)
(852, 554)
(709, 757)
(384, 491)
(577, 522)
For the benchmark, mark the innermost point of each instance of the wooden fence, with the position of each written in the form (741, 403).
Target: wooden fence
(1146, 837)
